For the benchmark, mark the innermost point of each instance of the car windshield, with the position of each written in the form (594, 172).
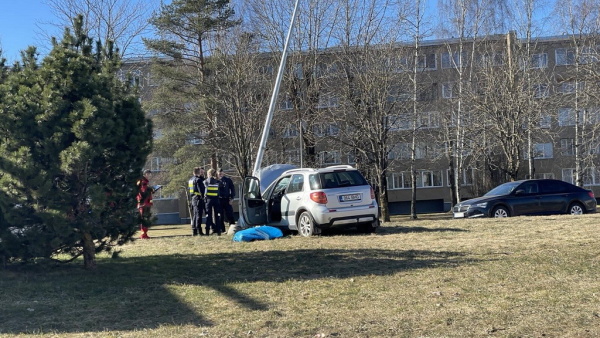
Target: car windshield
(503, 189)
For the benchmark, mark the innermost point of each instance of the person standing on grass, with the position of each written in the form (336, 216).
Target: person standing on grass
(196, 188)
(213, 207)
(144, 202)
(226, 196)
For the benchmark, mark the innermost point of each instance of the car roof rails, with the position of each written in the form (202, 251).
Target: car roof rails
(341, 166)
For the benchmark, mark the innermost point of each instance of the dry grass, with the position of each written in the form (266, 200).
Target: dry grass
(432, 277)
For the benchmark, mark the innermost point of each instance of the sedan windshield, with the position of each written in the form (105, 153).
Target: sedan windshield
(503, 189)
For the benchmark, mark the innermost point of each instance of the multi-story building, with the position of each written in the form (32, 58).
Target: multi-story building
(457, 98)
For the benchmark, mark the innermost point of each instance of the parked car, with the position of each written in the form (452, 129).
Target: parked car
(529, 197)
(309, 200)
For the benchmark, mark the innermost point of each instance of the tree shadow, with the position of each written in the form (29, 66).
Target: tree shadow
(389, 230)
(104, 300)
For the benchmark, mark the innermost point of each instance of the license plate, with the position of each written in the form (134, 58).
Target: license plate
(351, 197)
(459, 215)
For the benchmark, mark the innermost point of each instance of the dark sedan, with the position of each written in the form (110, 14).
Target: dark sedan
(529, 197)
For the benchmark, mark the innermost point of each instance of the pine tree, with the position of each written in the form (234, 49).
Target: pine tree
(74, 141)
(185, 101)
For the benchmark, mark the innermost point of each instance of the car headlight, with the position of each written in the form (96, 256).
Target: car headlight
(481, 205)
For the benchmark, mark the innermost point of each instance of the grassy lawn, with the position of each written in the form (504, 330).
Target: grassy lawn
(431, 277)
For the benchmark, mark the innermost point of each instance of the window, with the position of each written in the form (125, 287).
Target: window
(535, 61)
(566, 117)
(453, 60)
(325, 129)
(545, 121)
(490, 60)
(539, 60)
(588, 55)
(157, 163)
(425, 179)
(290, 130)
(567, 146)
(299, 71)
(429, 120)
(541, 91)
(570, 87)
(591, 176)
(426, 62)
(286, 103)
(429, 178)
(296, 185)
(466, 178)
(540, 151)
(266, 70)
(292, 156)
(568, 175)
(449, 90)
(400, 151)
(330, 157)
(543, 176)
(399, 122)
(565, 56)
(327, 100)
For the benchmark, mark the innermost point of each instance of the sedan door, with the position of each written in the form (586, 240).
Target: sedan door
(526, 199)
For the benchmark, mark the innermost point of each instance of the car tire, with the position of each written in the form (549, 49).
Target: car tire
(575, 209)
(500, 212)
(306, 225)
(368, 228)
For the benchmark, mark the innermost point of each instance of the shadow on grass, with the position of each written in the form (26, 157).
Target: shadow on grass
(137, 293)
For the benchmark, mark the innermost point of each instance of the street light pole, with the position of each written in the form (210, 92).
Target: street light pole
(265, 134)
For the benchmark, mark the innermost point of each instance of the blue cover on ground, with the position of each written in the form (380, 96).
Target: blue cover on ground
(257, 233)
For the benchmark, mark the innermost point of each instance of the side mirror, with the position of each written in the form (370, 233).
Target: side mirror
(520, 192)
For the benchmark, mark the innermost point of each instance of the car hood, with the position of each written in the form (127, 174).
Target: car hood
(478, 200)
(268, 174)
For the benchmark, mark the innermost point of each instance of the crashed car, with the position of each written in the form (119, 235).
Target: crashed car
(309, 200)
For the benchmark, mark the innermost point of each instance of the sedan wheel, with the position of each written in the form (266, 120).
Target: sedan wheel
(500, 212)
(306, 225)
(576, 209)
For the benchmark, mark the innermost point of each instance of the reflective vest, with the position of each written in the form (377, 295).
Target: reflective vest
(193, 187)
(212, 188)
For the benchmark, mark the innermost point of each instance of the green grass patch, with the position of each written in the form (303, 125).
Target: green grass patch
(435, 276)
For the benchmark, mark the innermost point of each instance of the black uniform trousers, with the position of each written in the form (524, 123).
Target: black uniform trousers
(213, 210)
(197, 209)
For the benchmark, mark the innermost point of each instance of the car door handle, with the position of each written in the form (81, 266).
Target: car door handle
(298, 198)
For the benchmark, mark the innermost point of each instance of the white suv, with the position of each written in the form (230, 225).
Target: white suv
(309, 200)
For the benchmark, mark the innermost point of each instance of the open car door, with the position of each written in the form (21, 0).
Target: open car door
(253, 207)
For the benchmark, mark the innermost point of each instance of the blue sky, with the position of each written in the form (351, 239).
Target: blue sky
(18, 29)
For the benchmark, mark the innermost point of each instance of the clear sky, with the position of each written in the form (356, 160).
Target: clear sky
(18, 29)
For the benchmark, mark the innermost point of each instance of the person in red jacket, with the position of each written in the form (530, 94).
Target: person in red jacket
(144, 202)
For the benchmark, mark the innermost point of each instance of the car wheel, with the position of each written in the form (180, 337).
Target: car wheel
(500, 211)
(575, 209)
(306, 225)
(368, 228)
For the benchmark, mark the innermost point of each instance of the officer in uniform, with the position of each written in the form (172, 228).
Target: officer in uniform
(226, 196)
(196, 188)
(213, 207)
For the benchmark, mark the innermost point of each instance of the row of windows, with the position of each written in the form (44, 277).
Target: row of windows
(435, 178)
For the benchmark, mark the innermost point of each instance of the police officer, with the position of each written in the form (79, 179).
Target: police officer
(226, 196)
(196, 188)
(213, 207)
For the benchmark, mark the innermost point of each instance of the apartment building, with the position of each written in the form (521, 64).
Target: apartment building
(453, 96)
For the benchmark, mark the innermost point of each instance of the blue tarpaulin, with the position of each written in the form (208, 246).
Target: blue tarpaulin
(257, 233)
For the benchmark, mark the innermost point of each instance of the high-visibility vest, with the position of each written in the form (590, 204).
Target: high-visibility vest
(212, 190)
(192, 186)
